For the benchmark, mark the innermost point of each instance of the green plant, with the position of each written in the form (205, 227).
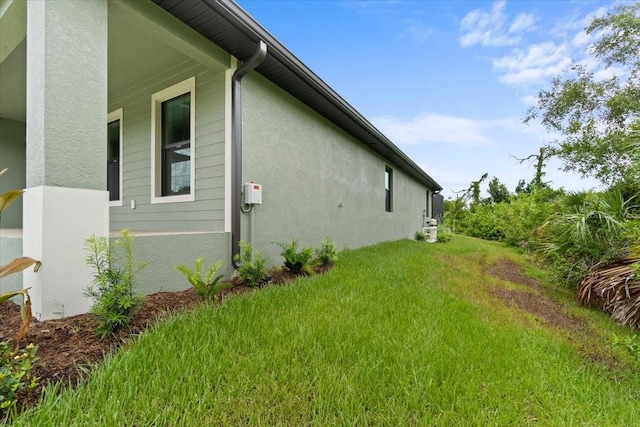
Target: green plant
(112, 285)
(328, 354)
(253, 267)
(421, 236)
(327, 254)
(444, 235)
(629, 343)
(16, 266)
(296, 262)
(15, 374)
(593, 228)
(206, 287)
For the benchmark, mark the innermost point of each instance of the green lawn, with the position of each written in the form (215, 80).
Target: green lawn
(401, 333)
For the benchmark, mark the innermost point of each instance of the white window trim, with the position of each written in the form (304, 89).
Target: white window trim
(186, 86)
(112, 117)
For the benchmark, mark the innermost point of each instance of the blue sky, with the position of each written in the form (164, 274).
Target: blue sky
(447, 81)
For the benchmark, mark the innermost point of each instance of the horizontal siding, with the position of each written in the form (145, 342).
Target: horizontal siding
(206, 213)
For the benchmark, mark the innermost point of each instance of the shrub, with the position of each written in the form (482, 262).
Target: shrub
(207, 287)
(512, 222)
(253, 267)
(421, 236)
(296, 262)
(15, 375)
(444, 235)
(112, 285)
(593, 228)
(327, 254)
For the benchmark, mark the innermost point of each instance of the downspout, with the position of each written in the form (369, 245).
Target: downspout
(236, 146)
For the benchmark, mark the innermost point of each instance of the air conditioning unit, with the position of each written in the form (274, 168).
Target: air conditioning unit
(431, 231)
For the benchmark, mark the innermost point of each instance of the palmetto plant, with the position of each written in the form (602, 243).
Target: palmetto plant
(592, 229)
(614, 287)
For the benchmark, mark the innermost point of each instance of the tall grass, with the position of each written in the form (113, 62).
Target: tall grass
(396, 334)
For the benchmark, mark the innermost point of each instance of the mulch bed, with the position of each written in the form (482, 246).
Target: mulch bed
(69, 346)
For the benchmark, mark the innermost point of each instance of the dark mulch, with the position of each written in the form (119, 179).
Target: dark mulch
(68, 346)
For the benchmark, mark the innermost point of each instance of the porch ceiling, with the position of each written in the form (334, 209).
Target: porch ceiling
(135, 54)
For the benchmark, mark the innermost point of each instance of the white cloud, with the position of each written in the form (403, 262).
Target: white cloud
(533, 65)
(460, 149)
(523, 22)
(491, 29)
(428, 128)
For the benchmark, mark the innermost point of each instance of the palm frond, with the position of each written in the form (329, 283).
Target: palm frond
(614, 287)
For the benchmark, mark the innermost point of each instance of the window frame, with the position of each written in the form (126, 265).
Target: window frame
(157, 173)
(388, 192)
(113, 116)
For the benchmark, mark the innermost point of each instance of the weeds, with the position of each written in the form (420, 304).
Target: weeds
(15, 375)
(629, 343)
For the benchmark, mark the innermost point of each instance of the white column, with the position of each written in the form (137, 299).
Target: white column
(66, 199)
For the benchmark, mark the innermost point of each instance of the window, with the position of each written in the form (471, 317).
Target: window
(114, 157)
(388, 189)
(176, 145)
(172, 145)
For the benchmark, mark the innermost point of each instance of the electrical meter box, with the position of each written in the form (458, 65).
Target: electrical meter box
(252, 193)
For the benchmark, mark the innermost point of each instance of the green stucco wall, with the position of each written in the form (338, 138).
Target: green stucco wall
(317, 180)
(207, 212)
(12, 156)
(163, 252)
(10, 248)
(67, 93)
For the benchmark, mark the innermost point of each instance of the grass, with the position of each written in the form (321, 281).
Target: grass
(401, 333)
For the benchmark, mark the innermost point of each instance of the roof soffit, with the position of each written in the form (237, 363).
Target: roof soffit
(226, 24)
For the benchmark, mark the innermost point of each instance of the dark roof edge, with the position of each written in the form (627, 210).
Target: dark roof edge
(252, 29)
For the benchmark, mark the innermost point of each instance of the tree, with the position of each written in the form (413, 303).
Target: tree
(453, 210)
(498, 191)
(522, 187)
(473, 192)
(596, 116)
(537, 182)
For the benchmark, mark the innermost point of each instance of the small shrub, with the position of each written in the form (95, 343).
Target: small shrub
(15, 375)
(327, 254)
(207, 287)
(112, 286)
(253, 267)
(421, 236)
(296, 262)
(444, 235)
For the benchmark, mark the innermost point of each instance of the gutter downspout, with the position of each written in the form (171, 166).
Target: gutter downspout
(236, 145)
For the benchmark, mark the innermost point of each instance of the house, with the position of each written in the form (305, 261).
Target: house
(151, 116)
